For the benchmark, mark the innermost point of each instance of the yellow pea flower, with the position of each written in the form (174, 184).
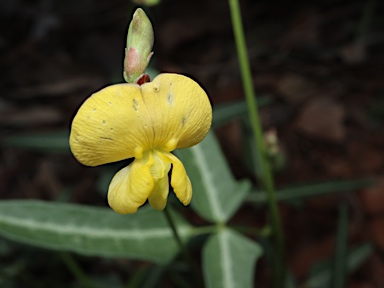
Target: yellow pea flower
(146, 122)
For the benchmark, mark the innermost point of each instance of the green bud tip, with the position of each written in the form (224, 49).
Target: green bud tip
(147, 2)
(138, 52)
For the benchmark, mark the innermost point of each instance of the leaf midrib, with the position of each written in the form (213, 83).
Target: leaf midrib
(97, 232)
(212, 193)
(226, 260)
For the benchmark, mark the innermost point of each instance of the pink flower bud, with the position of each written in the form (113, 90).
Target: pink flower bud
(139, 46)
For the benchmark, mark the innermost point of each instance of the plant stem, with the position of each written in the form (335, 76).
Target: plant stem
(185, 252)
(76, 270)
(204, 230)
(267, 177)
(365, 22)
(263, 232)
(339, 277)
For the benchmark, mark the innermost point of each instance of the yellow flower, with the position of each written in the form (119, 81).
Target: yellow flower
(146, 122)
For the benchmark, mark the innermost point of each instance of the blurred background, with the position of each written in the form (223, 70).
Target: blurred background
(318, 66)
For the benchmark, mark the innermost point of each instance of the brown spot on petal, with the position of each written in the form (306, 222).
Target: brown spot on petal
(183, 121)
(170, 99)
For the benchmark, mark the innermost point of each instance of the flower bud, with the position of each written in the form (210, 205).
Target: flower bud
(274, 151)
(271, 142)
(138, 52)
(147, 2)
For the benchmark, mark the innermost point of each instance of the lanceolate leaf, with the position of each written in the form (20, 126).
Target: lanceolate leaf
(229, 260)
(216, 194)
(224, 113)
(339, 275)
(54, 141)
(312, 190)
(90, 230)
(355, 258)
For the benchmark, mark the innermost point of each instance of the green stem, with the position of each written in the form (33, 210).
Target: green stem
(196, 231)
(263, 232)
(185, 252)
(76, 270)
(339, 277)
(365, 21)
(267, 177)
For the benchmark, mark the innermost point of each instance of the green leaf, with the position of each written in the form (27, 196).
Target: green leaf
(224, 113)
(153, 277)
(216, 194)
(340, 262)
(139, 277)
(229, 260)
(322, 278)
(77, 272)
(312, 190)
(290, 281)
(92, 230)
(54, 141)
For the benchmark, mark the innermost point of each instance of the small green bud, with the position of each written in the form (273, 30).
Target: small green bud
(138, 52)
(271, 142)
(273, 150)
(147, 2)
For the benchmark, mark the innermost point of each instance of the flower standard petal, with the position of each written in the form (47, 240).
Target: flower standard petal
(111, 125)
(180, 180)
(180, 111)
(131, 186)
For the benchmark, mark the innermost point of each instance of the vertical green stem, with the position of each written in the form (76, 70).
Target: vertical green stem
(183, 248)
(365, 21)
(339, 277)
(267, 177)
(75, 269)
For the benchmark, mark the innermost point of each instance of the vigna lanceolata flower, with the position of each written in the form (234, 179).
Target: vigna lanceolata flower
(146, 122)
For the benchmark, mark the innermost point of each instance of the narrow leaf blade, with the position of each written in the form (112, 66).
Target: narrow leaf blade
(225, 113)
(313, 190)
(355, 258)
(340, 262)
(53, 141)
(216, 194)
(91, 230)
(229, 260)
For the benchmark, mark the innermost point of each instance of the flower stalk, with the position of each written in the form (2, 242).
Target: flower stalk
(185, 252)
(266, 172)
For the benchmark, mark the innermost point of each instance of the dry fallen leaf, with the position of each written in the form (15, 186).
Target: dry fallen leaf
(322, 118)
(354, 53)
(294, 88)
